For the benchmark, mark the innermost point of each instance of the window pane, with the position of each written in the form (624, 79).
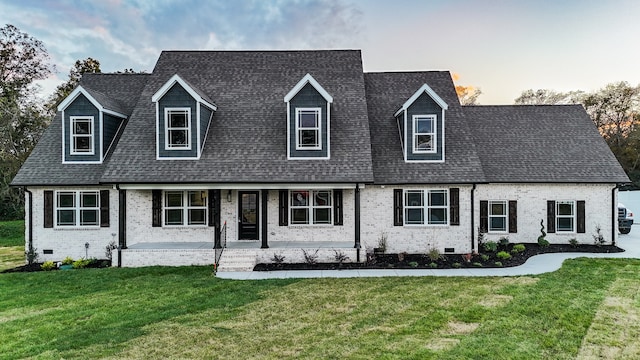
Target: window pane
(197, 198)
(322, 216)
(322, 198)
(173, 217)
(423, 142)
(89, 199)
(82, 127)
(82, 143)
(437, 216)
(565, 208)
(66, 217)
(414, 216)
(437, 198)
(177, 137)
(308, 137)
(177, 119)
(497, 224)
(66, 200)
(89, 217)
(565, 224)
(174, 199)
(414, 198)
(299, 216)
(196, 216)
(497, 208)
(308, 119)
(424, 126)
(299, 198)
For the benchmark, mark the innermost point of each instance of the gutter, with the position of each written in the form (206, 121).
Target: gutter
(473, 190)
(30, 216)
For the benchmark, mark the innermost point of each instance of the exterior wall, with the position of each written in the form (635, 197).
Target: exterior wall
(308, 97)
(66, 241)
(532, 207)
(139, 223)
(377, 219)
(174, 257)
(81, 106)
(177, 97)
(424, 105)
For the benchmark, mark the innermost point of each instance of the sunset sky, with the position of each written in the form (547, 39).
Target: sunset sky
(502, 47)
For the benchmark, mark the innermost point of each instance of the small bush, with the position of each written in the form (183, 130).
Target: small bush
(401, 256)
(108, 251)
(48, 265)
(541, 239)
(477, 264)
(503, 242)
(340, 257)
(433, 265)
(413, 264)
(310, 258)
(574, 242)
(278, 258)
(598, 238)
(382, 242)
(32, 255)
(518, 248)
(503, 255)
(484, 257)
(543, 242)
(80, 263)
(434, 254)
(498, 264)
(456, 265)
(67, 261)
(490, 246)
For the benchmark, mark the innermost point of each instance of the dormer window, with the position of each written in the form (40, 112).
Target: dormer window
(424, 133)
(82, 135)
(308, 129)
(178, 128)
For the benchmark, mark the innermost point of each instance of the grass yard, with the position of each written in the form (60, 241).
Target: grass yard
(11, 244)
(588, 309)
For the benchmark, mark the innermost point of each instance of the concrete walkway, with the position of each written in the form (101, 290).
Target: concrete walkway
(538, 264)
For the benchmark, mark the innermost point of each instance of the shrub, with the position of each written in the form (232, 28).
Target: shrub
(518, 248)
(433, 265)
(543, 242)
(80, 263)
(32, 255)
(503, 255)
(382, 242)
(490, 246)
(414, 264)
(434, 254)
(456, 265)
(310, 258)
(277, 259)
(541, 239)
(503, 242)
(477, 264)
(340, 257)
(48, 265)
(67, 261)
(108, 252)
(484, 257)
(498, 264)
(481, 237)
(598, 238)
(401, 256)
(574, 242)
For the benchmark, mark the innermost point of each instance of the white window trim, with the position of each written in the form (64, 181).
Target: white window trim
(505, 205)
(185, 208)
(168, 110)
(426, 207)
(72, 136)
(573, 216)
(433, 134)
(77, 199)
(318, 128)
(310, 207)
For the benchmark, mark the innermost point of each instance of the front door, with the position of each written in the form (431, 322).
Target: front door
(248, 219)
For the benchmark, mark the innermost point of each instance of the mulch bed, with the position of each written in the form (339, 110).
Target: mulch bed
(37, 267)
(446, 261)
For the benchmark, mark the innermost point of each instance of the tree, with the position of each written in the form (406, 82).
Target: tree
(467, 95)
(548, 97)
(88, 65)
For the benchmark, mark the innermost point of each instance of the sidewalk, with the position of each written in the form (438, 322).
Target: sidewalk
(535, 265)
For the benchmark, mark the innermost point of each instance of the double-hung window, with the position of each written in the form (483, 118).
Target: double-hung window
(185, 208)
(77, 208)
(426, 207)
(497, 216)
(311, 207)
(82, 135)
(308, 125)
(424, 133)
(178, 128)
(565, 216)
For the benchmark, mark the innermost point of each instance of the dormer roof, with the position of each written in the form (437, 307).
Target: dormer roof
(423, 89)
(198, 95)
(308, 79)
(101, 101)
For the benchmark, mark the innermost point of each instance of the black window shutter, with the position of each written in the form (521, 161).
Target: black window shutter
(581, 221)
(513, 216)
(157, 208)
(337, 207)
(104, 208)
(397, 207)
(48, 209)
(551, 216)
(454, 206)
(283, 208)
(484, 216)
(214, 207)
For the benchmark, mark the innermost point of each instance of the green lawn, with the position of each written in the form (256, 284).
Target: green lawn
(11, 244)
(188, 313)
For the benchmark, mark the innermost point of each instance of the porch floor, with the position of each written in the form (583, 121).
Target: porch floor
(242, 244)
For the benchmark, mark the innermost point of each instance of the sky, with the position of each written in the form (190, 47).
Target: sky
(502, 47)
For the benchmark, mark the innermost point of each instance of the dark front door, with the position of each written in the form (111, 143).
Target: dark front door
(248, 216)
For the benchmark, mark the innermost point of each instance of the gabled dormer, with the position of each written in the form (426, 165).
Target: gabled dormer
(421, 126)
(183, 117)
(308, 120)
(90, 122)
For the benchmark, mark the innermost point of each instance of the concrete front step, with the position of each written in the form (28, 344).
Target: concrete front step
(237, 261)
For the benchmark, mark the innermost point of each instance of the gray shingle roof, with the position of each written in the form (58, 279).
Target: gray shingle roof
(247, 138)
(541, 143)
(386, 92)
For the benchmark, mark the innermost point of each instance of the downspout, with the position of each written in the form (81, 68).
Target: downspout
(357, 221)
(473, 228)
(30, 216)
(122, 226)
(614, 214)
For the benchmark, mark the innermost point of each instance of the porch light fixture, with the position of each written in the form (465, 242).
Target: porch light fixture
(229, 196)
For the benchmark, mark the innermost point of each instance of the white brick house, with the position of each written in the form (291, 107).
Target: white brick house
(269, 152)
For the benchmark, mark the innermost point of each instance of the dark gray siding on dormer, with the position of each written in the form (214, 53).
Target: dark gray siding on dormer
(205, 117)
(424, 105)
(111, 125)
(177, 97)
(81, 106)
(308, 97)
